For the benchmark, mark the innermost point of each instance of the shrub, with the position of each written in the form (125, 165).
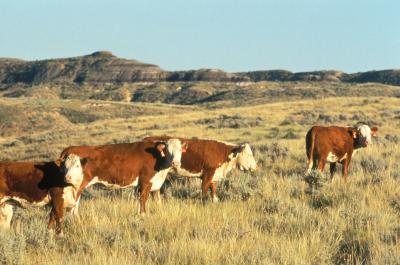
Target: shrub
(12, 248)
(273, 151)
(76, 116)
(291, 134)
(235, 122)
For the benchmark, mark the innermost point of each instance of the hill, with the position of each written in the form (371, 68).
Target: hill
(104, 67)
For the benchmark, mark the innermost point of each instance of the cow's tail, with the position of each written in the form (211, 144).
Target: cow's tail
(310, 141)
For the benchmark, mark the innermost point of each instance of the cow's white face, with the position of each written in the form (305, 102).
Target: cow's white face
(71, 168)
(245, 158)
(365, 134)
(175, 148)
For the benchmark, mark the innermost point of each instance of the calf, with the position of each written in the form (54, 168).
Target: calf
(336, 144)
(27, 184)
(211, 161)
(127, 165)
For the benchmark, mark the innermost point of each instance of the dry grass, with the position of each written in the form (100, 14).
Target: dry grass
(270, 217)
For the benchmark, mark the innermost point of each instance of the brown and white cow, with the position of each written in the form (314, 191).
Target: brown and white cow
(127, 165)
(211, 161)
(336, 144)
(26, 184)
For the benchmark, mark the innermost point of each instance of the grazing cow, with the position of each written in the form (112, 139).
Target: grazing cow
(27, 184)
(211, 161)
(336, 144)
(127, 165)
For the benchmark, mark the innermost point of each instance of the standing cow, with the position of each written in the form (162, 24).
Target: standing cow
(127, 165)
(336, 144)
(211, 161)
(27, 184)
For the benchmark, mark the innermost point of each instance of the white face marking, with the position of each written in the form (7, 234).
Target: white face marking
(245, 159)
(174, 149)
(72, 170)
(365, 134)
(158, 179)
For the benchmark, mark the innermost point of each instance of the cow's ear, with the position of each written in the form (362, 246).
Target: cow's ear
(184, 147)
(374, 131)
(238, 149)
(160, 148)
(242, 147)
(353, 132)
(84, 161)
(58, 162)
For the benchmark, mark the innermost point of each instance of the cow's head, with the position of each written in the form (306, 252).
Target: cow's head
(172, 151)
(245, 158)
(71, 168)
(363, 134)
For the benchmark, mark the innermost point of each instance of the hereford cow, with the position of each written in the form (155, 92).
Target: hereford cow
(336, 144)
(27, 184)
(211, 161)
(127, 165)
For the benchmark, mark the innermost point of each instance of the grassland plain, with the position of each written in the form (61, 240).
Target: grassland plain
(272, 216)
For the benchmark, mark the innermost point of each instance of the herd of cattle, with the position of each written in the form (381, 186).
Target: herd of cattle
(146, 164)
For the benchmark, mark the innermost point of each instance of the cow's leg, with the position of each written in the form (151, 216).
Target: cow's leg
(345, 168)
(204, 188)
(56, 220)
(57, 211)
(144, 194)
(310, 165)
(156, 196)
(213, 187)
(332, 169)
(206, 183)
(321, 164)
(6, 213)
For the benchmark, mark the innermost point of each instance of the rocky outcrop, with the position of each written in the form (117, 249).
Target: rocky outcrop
(104, 67)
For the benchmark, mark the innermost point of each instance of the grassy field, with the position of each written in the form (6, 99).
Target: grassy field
(272, 216)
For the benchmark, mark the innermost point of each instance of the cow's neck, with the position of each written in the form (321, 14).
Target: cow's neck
(357, 144)
(232, 162)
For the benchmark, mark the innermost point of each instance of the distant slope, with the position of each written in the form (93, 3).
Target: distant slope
(390, 77)
(101, 67)
(104, 67)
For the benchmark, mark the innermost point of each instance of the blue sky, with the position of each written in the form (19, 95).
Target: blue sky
(235, 35)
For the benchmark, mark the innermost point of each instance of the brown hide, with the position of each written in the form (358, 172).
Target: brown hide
(121, 164)
(340, 141)
(202, 156)
(33, 182)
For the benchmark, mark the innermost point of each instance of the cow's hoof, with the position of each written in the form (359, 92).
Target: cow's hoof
(215, 199)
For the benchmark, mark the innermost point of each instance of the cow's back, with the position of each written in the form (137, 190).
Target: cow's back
(201, 153)
(320, 141)
(115, 163)
(206, 154)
